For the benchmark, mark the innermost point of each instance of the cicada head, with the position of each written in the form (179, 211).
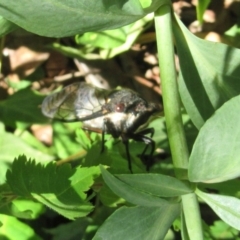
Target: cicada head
(128, 111)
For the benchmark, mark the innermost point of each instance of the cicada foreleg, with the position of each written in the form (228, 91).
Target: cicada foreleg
(125, 141)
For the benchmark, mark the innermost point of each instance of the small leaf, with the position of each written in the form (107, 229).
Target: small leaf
(60, 188)
(156, 184)
(25, 209)
(12, 228)
(12, 146)
(227, 208)
(221, 230)
(129, 193)
(65, 139)
(216, 151)
(138, 223)
(201, 7)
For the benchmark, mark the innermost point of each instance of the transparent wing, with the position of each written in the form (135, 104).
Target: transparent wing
(76, 102)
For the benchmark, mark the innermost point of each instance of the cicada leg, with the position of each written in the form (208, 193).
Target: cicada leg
(140, 137)
(125, 141)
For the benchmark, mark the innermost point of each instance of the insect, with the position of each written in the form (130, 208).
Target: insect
(121, 113)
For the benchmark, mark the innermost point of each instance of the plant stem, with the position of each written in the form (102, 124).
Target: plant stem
(171, 99)
(192, 216)
(172, 110)
(2, 42)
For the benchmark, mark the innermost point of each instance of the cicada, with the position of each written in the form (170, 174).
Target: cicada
(121, 113)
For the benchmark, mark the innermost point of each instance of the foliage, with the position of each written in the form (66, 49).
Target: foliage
(95, 187)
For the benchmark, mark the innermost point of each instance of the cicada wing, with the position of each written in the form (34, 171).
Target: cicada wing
(76, 102)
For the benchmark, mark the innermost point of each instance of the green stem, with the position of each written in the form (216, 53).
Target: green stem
(172, 110)
(192, 216)
(171, 99)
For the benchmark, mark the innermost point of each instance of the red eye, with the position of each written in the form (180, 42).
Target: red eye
(119, 107)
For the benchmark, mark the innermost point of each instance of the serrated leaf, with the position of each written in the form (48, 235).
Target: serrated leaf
(227, 208)
(60, 188)
(156, 184)
(129, 193)
(216, 151)
(206, 80)
(138, 223)
(79, 16)
(12, 228)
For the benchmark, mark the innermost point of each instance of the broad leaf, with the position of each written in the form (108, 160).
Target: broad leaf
(206, 80)
(156, 184)
(138, 223)
(6, 26)
(227, 208)
(60, 188)
(59, 18)
(216, 153)
(129, 193)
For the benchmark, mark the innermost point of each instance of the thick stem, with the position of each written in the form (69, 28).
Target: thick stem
(192, 216)
(172, 110)
(171, 99)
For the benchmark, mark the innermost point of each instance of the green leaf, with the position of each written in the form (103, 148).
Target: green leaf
(14, 229)
(12, 146)
(23, 208)
(224, 188)
(138, 223)
(60, 188)
(111, 42)
(46, 17)
(206, 80)
(107, 39)
(6, 26)
(64, 139)
(220, 230)
(155, 184)
(23, 106)
(129, 193)
(72, 230)
(215, 154)
(201, 7)
(83, 139)
(227, 208)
